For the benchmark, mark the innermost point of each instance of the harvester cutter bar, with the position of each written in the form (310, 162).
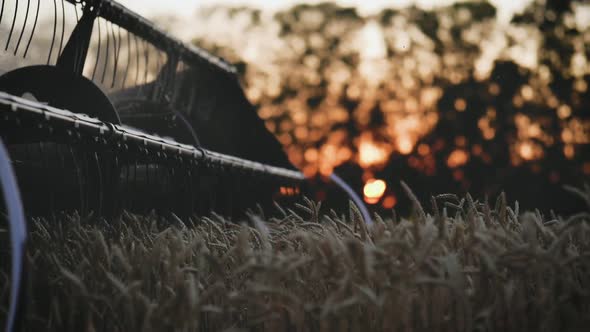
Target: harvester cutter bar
(18, 112)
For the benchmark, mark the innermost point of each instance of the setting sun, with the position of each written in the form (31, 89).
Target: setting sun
(374, 190)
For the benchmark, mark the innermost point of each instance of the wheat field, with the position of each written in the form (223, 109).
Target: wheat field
(457, 265)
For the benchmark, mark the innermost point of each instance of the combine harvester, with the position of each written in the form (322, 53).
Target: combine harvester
(101, 111)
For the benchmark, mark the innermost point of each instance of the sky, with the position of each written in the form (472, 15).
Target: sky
(186, 8)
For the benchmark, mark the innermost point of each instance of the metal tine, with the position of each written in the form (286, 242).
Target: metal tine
(115, 174)
(147, 61)
(173, 201)
(78, 177)
(126, 198)
(128, 59)
(157, 91)
(85, 179)
(63, 28)
(199, 206)
(100, 183)
(54, 31)
(106, 58)
(193, 93)
(136, 60)
(117, 51)
(147, 174)
(20, 37)
(157, 181)
(59, 162)
(76, 12)
(12, 26)
(191, 196)
(2, 11)
(134, 183)
(33, 29)
(159, 83)
(169, 83)
(98, 49)
(115, 55)
(151, 180)
(181, 85)
(175, 82)
(197, 196)
(61, 159)
(168, 176)
(49, 183)
(58, 165)
(80, 61)
(164, 74)
(168, 72)
(42, 161)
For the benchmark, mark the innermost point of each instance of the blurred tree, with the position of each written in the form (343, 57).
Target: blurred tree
(448, 99)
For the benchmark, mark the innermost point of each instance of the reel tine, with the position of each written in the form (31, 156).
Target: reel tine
(117, 51)
(123, 183)
(128, 59)
(114, 175)
(49, 188)
(145, 69)
(98, 49)
(147, 173)
(126, 197)
(147, 61)
(100, 184)
(20, 37)
(152, 183)
(79, 57)
(33, 29)
(170, 82)
(1, 11)
(201, 182)
(76, 12)
(57, 166)
(136, 60)
(134, 183)
(191, 196)
(85, 176)
(63, 28)
(61, 162)
(78, 177)
(42, 162)
(175, 82)
(106, 58)
(164, 73)
(54, 31)
(193, 93)
(166, 58)
(169, 175)
(12, 26)
(158, 83)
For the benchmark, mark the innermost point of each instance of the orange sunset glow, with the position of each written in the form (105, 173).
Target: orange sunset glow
(452, 91)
